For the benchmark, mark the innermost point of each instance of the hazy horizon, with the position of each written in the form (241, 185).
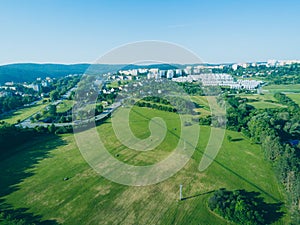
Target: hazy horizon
(91, 63)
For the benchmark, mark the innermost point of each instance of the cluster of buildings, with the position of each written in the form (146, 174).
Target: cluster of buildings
(8, 89)
(36, 86)
(158, 74)
(201, 73)
(222, 79)
(11, 88)
(180, 74)
(269, 63)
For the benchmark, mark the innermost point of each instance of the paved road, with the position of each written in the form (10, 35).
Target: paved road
(27, 123)
(110, 109)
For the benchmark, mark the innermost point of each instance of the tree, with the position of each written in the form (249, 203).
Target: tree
(257, 125)
(38, 116)
(54, 95)
(272, 147)
(52, 110)
(99, 109)
(52, 128)
(229, 138)
(243, 207)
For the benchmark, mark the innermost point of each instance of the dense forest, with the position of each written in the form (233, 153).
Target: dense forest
(278, 132)
(245, 208)
(12, 102)
(28, 72)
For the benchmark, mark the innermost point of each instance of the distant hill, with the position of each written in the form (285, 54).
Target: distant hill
(28, 72)
(159, 66)
(22, 72)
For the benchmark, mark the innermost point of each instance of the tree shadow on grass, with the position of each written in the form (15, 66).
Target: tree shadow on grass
(198, 106)
(236, 139)
(9, 115)
(241, 206)
(15, 167)
(271, 212)
(15, 112)
(20, 216)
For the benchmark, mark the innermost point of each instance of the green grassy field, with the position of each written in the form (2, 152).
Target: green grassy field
(32, 179)
(23, 113)
(265, 105)
(295, 98)
(262, 101)
(282, 88)
(258, 97)
(202, 101)
(64, 106)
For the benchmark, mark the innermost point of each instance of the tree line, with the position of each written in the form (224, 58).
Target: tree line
(59, 87)
(12, 136)
(243, 207)
(174, 104)
(278, 132)
(14, 101)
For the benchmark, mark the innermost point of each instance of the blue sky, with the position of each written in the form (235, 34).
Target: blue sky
(82, 31)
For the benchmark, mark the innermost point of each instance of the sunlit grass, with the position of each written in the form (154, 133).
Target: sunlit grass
(88, 198)
(24, 113)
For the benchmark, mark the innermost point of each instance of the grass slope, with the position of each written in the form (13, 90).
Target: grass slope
(203, 103)
(263, 101)
(282, 88)
(64, 106)
(34, 181)
(295, 98)
(265, 105)
(23, 113)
